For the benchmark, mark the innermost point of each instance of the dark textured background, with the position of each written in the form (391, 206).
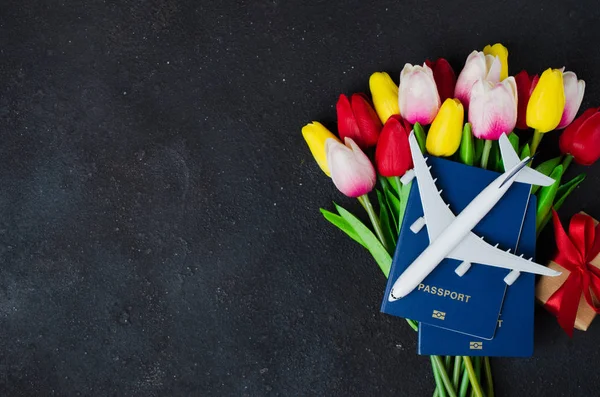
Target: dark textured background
(159, 224)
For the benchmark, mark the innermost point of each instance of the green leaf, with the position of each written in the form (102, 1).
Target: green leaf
(525, 151)
(341, 224)
(547, 195)
(404, 192)
(499, 162)
(514, 141)
(478, 145)
(383, 181)
(393, 183)
(393, 204)
(467, 149)
(381, 256)
(565, 190)
(420, 135)
(495, 161)
(388, 227)
(546, 168)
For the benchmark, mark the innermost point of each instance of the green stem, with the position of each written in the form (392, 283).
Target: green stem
(444, 375)
(566, 162)
(472, 376)
(477, 366)
(485, 154)
(488, 377)
(398, 184)
(441, 391)
(362, 203)
(448, 365)
(535, 142)
(456, 372)
(364, 199)
(464, 383)
(413, 324)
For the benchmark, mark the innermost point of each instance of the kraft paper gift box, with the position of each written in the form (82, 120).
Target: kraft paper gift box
(547, 286)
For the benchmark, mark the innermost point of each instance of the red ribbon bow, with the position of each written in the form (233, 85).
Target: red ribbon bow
(575, 251)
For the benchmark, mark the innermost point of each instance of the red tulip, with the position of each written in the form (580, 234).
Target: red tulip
(444, 76)
(358, 120)
(581, 139)
(392, 155)
(525, 86)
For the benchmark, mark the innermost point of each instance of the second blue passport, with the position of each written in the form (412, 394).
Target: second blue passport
(514, 335)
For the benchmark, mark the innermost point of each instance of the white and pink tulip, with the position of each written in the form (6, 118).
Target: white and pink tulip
(493, 108)
(351, 170)
(418, 96)
(574, 90)
(478, 66)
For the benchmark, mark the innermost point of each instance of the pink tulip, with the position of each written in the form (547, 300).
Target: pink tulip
(574, 90)
(351, 170)
(477, 67)
(418, 96)
(493, 109)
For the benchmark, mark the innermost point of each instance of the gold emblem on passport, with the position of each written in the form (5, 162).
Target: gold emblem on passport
(475, 345)
(439, 315)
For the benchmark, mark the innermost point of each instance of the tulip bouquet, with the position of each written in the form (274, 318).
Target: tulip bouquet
(372, 152)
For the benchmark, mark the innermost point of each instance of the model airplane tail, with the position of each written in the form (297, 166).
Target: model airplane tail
(510, 158)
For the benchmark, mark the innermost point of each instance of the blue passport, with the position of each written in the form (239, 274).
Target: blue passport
(514, 335)
(469, 304)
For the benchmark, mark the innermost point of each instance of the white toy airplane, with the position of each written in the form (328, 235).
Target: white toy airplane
(450, 236)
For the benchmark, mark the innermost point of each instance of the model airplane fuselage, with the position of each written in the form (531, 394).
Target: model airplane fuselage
(452, 237)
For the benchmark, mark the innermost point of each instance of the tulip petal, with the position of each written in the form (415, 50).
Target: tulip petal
(474, 69)
(385, 95)
(570, 133)
(574, 90)
(494, 68)
(367, 120)
(512, 84)
(351, 170)
(585, 144)
(524, 89)
(493, 109)
(547, 102)
(347, 125)
(418, 98)
(445, 133)
(392, 154)
(315, 135)
(445, 78)
(501, 52)
(478, 66)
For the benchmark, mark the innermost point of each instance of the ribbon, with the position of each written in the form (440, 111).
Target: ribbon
(575, 252)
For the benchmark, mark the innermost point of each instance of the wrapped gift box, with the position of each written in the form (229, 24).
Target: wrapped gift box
(547, 286)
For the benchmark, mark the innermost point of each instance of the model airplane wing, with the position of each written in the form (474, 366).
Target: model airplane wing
(474, 250)
(436, 212)
(437, 217)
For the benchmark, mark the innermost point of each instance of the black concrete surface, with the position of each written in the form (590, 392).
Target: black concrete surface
(159, 223)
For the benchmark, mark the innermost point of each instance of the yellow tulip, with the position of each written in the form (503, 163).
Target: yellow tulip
(315, 134)
(547, 102)
(385, 95)
(498, 50)
(445, 133)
